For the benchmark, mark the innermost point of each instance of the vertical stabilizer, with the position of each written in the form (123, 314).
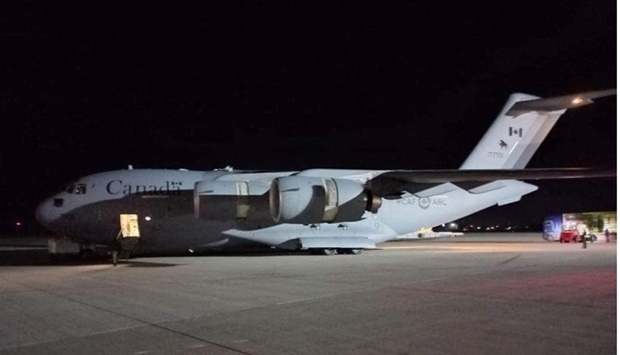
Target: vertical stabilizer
(520, 128)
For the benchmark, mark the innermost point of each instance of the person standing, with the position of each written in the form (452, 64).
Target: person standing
(582, 231)
(607, 235)
(116, 248)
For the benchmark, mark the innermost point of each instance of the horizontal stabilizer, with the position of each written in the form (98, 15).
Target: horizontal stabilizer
(557, 103)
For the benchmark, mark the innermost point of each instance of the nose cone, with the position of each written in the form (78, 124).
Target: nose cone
(44, 212)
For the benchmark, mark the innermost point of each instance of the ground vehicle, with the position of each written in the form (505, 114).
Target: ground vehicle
(563, 228)
(567, 236)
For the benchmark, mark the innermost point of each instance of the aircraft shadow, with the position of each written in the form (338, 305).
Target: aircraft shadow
(42, 258)
(251, 252)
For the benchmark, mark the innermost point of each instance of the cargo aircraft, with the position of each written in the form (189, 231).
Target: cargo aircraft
(325, 211)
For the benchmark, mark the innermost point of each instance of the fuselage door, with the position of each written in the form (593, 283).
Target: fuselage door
(129, 226)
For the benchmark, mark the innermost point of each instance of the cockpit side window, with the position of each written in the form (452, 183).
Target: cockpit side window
(80, 189)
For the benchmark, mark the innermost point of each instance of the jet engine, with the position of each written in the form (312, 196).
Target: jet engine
(302, 199)
(229, 200)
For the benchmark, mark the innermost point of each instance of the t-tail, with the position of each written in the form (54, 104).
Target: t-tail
(520, 128)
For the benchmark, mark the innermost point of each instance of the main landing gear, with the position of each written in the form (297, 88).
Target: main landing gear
(333, 251)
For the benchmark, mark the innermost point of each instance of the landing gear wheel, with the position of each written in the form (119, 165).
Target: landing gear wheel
(318, 251)
(350, 251)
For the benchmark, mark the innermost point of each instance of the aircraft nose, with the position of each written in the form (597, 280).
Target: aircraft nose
(44, 213)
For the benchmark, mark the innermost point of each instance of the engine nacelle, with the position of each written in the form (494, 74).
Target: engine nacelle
(229, 200)
(302, 199)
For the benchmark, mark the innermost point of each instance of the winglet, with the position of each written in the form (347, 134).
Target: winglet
(557, 103)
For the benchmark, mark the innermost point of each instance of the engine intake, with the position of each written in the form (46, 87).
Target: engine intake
(301, 199)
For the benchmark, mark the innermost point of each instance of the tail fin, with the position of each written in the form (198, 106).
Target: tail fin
(520, 128)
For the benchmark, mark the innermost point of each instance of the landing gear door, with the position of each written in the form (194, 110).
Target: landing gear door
(129, 226)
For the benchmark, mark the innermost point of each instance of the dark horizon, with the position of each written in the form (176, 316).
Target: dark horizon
(404, 85)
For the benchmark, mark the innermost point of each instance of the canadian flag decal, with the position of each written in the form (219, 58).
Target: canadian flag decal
(515, 132)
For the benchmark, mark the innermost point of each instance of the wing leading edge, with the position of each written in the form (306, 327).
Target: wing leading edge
(394, 182)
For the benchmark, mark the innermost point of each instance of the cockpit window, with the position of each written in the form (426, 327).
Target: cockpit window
(77, 189)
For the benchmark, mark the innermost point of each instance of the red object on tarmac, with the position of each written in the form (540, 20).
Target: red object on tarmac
(567, 236)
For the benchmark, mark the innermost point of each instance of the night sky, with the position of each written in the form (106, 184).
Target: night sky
(296, 85)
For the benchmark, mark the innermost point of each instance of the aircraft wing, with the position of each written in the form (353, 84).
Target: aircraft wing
(393, 183)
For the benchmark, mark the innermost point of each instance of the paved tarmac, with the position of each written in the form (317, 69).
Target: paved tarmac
(476, 294)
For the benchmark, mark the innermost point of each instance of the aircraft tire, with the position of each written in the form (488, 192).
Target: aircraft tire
(320, 251)
(350, 251)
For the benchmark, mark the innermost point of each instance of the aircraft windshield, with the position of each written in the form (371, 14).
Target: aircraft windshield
(77, 189)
